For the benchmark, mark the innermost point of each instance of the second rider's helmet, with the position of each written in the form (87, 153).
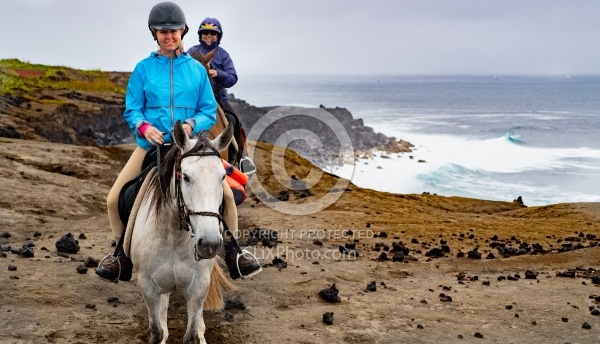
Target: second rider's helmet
(167, 16)
(211, 24)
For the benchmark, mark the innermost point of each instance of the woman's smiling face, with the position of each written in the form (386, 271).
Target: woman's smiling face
(209, 36)
(169, 41)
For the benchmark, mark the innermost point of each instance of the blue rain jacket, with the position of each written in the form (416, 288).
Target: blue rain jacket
(221, 61)
(162, 90)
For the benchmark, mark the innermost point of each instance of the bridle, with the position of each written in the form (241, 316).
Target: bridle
(184, 210)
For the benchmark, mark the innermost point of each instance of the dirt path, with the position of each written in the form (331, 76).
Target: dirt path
(57, 189)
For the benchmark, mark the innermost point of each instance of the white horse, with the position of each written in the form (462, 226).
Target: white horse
(176, 235)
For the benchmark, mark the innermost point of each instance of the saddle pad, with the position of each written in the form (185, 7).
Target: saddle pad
(136, 206)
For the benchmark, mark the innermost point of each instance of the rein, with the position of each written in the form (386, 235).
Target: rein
(184, 211)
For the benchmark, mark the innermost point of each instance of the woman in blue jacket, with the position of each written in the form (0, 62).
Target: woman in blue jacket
(166, 87)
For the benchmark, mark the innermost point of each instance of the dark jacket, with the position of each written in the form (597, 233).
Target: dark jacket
(227, 76)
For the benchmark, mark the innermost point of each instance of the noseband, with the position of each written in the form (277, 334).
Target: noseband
(184, 211)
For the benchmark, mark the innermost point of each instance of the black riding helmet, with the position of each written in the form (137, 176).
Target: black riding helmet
(167, 16)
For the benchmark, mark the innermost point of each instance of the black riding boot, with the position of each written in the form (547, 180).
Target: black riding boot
(111, 270)
(244, 266)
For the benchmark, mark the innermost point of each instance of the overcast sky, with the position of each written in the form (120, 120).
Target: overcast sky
(322, 36)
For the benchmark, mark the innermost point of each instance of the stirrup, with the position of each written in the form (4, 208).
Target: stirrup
(248, 170)
(120, 268)
(237, 264)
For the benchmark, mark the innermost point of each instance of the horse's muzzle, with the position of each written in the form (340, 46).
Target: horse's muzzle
(206, 250)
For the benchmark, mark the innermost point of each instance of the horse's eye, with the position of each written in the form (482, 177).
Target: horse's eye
(186, 178)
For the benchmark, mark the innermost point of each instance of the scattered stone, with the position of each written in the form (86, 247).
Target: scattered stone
(26, 252)
(82, 269)
(530, 274)
(12, 268)
(533, 322)
(82, 236)
(90, 306)
(280, 263)
(382, 257)
(5, 235)
(268, 238)
(435, 252)
(113, 299)
(568, 273)
(234, 303)
(508, 307)
(372, 286)
(37, 234)
(420, 327)
(445, 298)
(586, 326)
(328, 318)
(478, 335)
(91, 262)
(229, 317)
(347, 251)
(564, 319)
(67, 244)
(398, 257)
(474, 254)
(330, 294)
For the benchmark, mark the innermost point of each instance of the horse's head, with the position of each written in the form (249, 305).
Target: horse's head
(199, 187)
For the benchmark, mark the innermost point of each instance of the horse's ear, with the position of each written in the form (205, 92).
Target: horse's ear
(203, 59)
(179, 135)
(206, 58)
(224, 139)
(198, 56)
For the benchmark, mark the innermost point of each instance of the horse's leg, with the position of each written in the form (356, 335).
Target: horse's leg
(164, 310)
(195, 302)
(157, 305)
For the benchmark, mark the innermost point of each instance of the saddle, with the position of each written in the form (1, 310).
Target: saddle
(131, 189)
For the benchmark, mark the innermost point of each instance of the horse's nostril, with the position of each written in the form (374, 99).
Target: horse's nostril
(200, 242)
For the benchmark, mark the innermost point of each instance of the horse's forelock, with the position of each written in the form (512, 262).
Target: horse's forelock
(168, 165)
(203, 143)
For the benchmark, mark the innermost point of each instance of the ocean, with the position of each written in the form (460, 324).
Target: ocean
(490, 137)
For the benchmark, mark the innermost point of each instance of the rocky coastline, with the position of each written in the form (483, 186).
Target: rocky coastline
(95, 119)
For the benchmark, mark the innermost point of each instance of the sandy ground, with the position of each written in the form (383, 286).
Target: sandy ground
(49, 190)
